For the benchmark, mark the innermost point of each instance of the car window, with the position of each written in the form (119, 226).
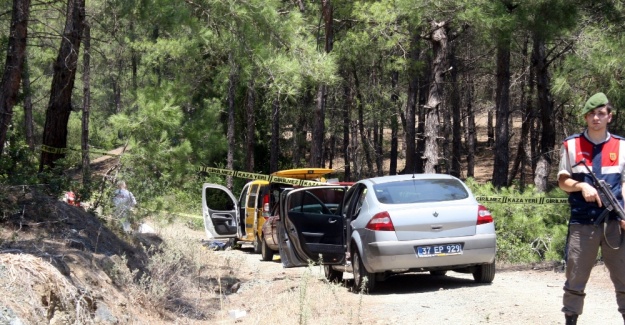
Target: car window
(362, 194)
(322, 201)
(251, 200)
(420, 190)
(276, 190)
(218, 200)
(243, 196)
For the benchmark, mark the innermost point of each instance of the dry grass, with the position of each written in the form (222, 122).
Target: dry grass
(39, 293)
(235, 285)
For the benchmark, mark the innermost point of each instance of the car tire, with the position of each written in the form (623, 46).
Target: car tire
(363, 280)
(332, 275)
(438, 273)
(484, 273)
(265, 252)
(257, 243)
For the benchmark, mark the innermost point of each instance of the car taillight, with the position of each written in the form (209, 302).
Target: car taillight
(483, 215)
(381, 222)
(266, 206)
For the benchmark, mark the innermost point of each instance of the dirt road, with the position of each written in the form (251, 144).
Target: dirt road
(515, 297)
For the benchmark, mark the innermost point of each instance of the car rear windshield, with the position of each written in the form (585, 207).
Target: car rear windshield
(420, 190)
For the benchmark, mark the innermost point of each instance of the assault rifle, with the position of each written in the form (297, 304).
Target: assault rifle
(608, 200)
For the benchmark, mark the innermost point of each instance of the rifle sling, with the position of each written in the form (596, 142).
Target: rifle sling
(605, 227)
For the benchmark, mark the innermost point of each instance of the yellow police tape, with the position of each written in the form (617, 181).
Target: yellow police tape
(59, 151)
(522, 200)
(301, 182)
(304, 182)
(53, 150)
(254, 176)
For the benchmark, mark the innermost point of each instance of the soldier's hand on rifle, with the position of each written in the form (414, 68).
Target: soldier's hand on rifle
(590, 193)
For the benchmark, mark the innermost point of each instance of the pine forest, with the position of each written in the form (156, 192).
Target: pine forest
(363, 87)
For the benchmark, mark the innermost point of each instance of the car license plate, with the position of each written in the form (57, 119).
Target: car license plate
(439, 250)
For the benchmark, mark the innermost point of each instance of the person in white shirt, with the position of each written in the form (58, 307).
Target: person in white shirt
(123, 201)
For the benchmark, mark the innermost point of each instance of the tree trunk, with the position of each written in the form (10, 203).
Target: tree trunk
(275, 136)
(521, 154)
(438, 39)
(232, 82)
(134, 60)
(531, 144)
(86, 107)
(356, 151)
(394, 124)
(316, 150)
(411, 103)
(423, 89)
(28, 106)
(456, 128)
(60, 105)
(502, 112)
(300, 5)
(545, 106)
(361, 126)
(331, 151)
(250, 139)
(299, 133)
(471, 137)
(490, 129)
(346, 128)
(16, 54)
(378, 140)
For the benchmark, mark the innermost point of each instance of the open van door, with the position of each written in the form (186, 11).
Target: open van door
(311, 227)
(220, 212)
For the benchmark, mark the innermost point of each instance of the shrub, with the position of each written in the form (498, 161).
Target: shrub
(526, 233)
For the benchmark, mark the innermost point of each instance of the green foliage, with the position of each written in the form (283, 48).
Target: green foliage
(526, 232)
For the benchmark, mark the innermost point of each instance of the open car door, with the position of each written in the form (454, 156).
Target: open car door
(220, 212)
(311, 227)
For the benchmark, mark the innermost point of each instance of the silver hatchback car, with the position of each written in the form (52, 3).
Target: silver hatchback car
(390, 225)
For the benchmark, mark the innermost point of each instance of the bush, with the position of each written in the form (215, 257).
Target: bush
(526, 233)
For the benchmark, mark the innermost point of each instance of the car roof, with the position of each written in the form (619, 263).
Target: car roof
(303, 173)
(404, 177)
(258, 181)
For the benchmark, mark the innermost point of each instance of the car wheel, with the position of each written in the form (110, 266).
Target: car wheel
(331, 274)
(484, 273)
(257, 244)
(438, 273)
(363, 280)
(265, 252)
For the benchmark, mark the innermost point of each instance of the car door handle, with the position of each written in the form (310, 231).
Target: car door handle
(437, 227)
(332, 220)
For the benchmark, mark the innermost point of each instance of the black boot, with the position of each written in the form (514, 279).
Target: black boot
(572, 319)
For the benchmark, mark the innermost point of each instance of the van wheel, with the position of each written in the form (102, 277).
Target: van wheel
(265, 252)
(484, 273)
(363, 280)
(257, 244)
(331, 274)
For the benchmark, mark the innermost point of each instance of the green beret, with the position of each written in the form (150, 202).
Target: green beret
(596, 100)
